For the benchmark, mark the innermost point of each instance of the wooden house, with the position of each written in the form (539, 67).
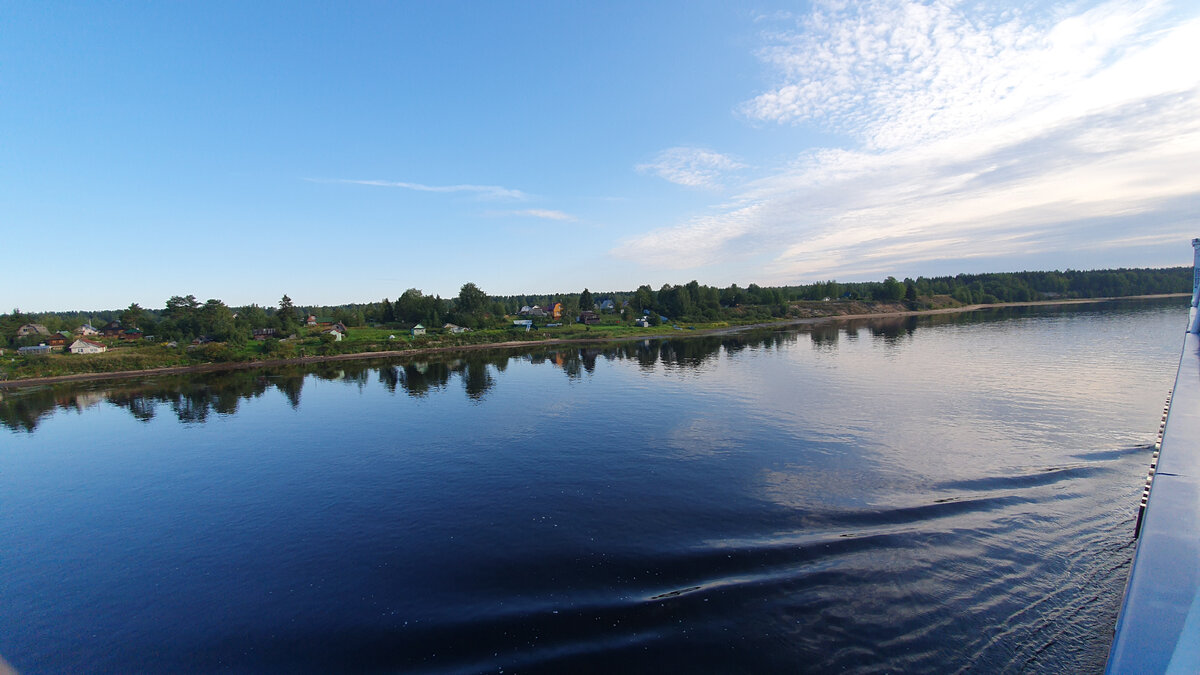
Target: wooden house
(589, 318)
(58, 339)
(32, 329)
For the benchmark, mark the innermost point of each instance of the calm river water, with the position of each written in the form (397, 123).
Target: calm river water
(944, 494)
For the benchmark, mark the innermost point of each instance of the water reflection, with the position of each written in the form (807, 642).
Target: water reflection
(194, 398)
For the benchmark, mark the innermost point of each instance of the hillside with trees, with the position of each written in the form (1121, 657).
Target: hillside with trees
(185, 318)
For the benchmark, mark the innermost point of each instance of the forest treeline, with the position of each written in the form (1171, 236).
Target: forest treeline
(186, 318)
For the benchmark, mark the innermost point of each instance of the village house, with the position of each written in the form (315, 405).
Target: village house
(607, 306)
(263, 333)
(589, 318)
(82, 346)
(337, 334)
(451, 328)
(58, 339)
(86, 330)
(112, 329)
(555, 310)
(32, 329)
(131, 334)
(417, 330)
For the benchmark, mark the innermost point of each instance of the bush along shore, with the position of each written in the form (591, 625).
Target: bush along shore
(146, 355)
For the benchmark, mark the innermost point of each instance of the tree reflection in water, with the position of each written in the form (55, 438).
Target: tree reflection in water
(194, 398)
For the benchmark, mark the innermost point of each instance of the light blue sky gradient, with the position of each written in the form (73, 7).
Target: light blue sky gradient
(344, 152)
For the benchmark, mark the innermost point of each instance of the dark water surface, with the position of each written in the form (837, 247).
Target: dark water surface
(937, 495)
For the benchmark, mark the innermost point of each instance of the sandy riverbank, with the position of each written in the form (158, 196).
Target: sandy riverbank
(527, 344)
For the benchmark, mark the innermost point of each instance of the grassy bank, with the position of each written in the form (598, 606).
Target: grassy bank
(130, 358)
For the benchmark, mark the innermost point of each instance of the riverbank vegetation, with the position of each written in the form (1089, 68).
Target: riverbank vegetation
(189, 332)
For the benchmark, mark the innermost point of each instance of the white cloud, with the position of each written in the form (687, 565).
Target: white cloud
(694, 167)
(976, 135)
(547, 214)
(487, 191)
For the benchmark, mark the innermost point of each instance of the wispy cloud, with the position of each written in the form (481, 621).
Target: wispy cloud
(485, 191)
(975, 135)
(546, 214)
(694, 167)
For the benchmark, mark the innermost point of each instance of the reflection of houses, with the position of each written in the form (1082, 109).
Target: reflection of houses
(417, 330)
(589, 318)
(82, 346)
(86, 330)
(32, 329)
(451, 328)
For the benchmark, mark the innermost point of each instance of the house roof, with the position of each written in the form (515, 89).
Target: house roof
(88, 342)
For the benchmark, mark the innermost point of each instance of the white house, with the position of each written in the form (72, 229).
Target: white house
(82, 346)
(86, 329)
(451, 328)
(418, 330)
(337, 334)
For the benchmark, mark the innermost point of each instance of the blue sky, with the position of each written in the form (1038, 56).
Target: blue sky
(344, 152)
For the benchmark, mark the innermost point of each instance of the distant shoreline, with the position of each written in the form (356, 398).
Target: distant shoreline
(518, 344)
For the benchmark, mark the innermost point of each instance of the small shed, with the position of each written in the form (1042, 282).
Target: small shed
(417, 330)
(35, 349)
